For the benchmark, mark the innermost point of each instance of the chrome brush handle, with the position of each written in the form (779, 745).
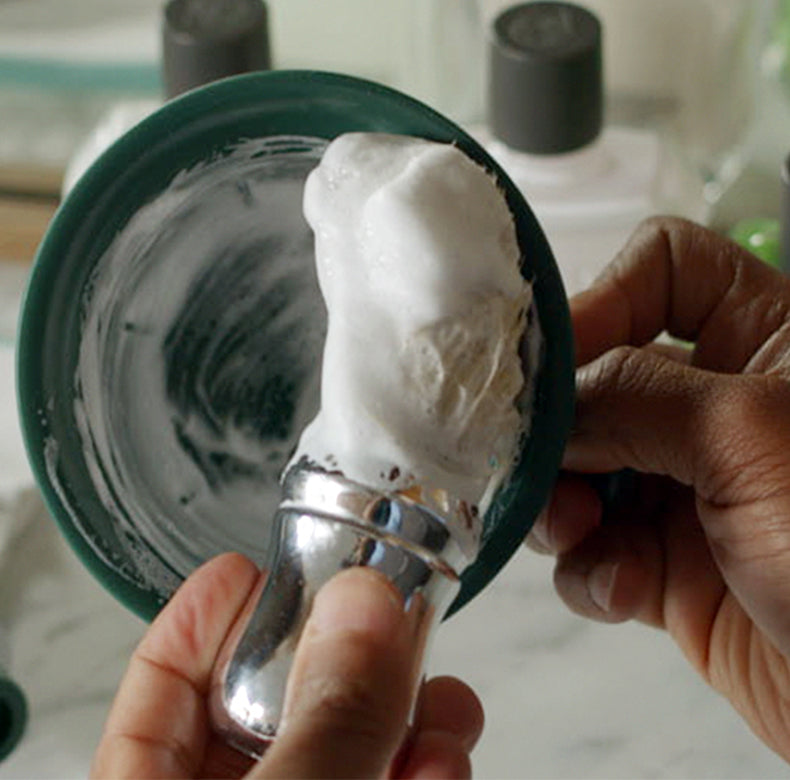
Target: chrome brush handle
(325, 523)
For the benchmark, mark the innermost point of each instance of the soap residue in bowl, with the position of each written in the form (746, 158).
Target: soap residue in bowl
(199, 360)
(199, 365)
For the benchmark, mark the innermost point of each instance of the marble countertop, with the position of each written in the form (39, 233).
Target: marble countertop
(564, 698)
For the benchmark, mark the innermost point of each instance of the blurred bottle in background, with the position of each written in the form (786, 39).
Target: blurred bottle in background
(689, 71)
(201, 41)
(68, 66)
(682, 69)
(431, 49)
(679, 91)
(588, 184)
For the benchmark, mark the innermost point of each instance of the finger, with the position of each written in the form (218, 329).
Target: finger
(612, 576)
(621, 568)
(725, 435)
(676, 276)
(572, 512)
(448, 725)
(436, 755)
(651, 564)
(157, 726)
(222, 760)
(450, 705)
(615, 571)
(351, 685)
(636, 409)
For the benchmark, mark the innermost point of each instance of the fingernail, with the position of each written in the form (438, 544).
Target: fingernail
(357, 600)
(538, 536)
(600, 584)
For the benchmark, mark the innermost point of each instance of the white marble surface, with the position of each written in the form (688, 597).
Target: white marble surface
(564, 698)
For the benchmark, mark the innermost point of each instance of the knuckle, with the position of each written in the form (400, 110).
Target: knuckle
(618, 370)
(662, 230)
(620, 362)
(353, 707)
(742, 407)
(657, 225)
(663, 237)
(744, 422)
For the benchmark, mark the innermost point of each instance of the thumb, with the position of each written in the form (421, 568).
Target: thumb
(350, 689)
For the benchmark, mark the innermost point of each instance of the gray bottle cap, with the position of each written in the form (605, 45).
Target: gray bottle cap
(546, 83)
(206, 40)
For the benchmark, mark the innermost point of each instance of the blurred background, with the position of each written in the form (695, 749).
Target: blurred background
(707, 80)
(708, 76)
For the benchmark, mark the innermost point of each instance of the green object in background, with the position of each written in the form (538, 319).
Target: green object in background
(13, 714)
(761, 236)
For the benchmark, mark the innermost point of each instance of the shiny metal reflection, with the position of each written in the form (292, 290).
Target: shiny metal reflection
(326, 523)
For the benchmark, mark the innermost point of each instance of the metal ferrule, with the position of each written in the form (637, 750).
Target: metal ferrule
(325, 523)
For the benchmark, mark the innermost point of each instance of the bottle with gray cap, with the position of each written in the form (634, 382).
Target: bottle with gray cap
(546, 83)
(589, 185)
(202, 41)
(206, 40)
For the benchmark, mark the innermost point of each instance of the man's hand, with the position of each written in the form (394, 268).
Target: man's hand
(701, 546)
(348, 695)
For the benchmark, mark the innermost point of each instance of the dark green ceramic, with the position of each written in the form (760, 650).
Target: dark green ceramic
(13, 714)
(142, 164)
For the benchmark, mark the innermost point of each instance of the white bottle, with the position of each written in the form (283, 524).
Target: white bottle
(202, 41)
(587, 186)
